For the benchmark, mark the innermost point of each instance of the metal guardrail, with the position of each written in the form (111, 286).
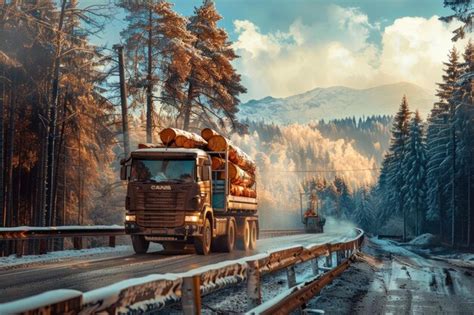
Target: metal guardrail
(22, 234)
(77, 233)
(154, 292)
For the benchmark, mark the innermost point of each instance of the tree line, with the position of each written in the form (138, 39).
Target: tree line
(427, 177)
(60, 127)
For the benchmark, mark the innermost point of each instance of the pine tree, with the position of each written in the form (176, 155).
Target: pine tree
(143, 49)
(464, 12)
(414, 189)
(463, 101)
(440, 143)
(214, 85)
(178, 54)
(344, 203)
(363, 214)
(397, 151)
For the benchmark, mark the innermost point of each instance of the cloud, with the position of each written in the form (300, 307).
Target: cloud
(340, 51)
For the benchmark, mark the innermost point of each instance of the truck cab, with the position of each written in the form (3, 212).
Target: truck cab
(170, 201)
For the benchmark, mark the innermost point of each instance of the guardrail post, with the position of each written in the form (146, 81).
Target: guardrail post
(329, 260)
(291, 276)
(20, 248)
(111, 241)
(338, 257)
(43, 246)
(77, 240)
(191, 295)
(254, 291)
(315, 266)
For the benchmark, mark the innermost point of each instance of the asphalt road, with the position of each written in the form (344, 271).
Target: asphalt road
(391, 279)
(93, 272)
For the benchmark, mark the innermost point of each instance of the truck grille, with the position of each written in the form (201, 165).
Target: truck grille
(160, 209)
(160, 219)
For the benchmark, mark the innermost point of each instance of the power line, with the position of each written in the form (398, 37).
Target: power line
(329, 171)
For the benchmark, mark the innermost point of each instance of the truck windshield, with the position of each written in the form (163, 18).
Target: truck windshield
(162, 170)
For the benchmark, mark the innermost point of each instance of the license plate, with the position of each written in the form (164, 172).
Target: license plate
(161, 238)
(159, 231)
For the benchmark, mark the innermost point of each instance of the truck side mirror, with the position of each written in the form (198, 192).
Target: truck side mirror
(123, 172)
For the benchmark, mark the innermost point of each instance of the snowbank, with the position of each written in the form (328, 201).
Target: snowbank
(425, 240)
(64, 228)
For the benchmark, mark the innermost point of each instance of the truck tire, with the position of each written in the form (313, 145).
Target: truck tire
(226, 243)
(140, 244)
(243, 241)
(203, 244)
(253, 235)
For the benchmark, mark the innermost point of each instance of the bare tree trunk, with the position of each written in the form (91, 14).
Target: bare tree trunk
(79, 187)
(57, 219)
(9, 168)
(149, 91)
(188, 105)
(48, 219)
(2, 151)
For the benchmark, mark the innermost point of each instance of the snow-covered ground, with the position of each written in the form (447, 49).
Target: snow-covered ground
(66, 227)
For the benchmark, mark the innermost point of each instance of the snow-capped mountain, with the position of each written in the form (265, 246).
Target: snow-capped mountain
(337, 102)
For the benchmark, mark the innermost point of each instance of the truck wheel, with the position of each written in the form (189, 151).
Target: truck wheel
(244, 239)
(140, 244)
(203, 244)
(253, 235)
(225, 243)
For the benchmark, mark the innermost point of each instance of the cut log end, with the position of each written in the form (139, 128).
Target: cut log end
(208, 133)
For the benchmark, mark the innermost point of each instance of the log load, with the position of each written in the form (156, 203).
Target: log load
(236, 155)
(240, 191)
(182, 138)
(237, 175)
(208, 133)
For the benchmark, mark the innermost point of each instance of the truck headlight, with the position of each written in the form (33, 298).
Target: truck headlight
(130, 217)
(191, 218)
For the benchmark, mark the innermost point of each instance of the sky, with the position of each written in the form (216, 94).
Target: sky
(288, 47)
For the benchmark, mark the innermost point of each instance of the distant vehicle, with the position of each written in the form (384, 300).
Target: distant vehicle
(311, 218)
(175, 198)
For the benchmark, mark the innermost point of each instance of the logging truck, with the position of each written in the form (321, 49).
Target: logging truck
(176, 198)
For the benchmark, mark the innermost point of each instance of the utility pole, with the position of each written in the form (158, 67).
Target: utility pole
(149, 88)
(123, 100)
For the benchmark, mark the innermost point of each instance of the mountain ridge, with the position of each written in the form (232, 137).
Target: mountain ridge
(337, 102)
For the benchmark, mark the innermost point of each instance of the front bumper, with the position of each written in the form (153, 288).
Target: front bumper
(180, 233)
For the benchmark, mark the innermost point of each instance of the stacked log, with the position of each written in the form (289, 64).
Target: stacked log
(208, 133)
(236, 155)
(240, 191)
(181, 138)
(241, 181)
(236, 175)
